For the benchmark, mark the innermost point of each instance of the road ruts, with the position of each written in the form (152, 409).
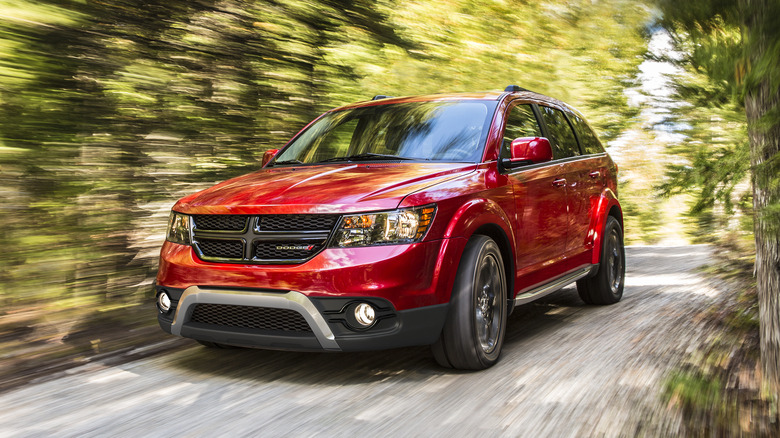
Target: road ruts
(568, 370)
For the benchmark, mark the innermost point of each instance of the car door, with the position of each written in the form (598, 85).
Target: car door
(540, 200)
(574, 175)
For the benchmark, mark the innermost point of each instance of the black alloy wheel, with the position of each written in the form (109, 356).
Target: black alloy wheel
(476, 324)
(606, 286)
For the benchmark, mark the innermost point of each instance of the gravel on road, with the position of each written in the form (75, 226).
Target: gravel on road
(567, 370)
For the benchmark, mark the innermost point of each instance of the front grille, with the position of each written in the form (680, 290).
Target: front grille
(285, 250)
(264, 318)
(221, 222)
(270, 238)
(223, 249)
(300, 222)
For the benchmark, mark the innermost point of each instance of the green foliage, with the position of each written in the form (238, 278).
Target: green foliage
(717, 388)
(732, 50)
(727, 55)
(693, 389)
(642, 214)
(581, 54)
(713, 161)
(111, 110)
(714, 172)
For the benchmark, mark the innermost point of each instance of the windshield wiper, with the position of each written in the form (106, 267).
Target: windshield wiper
(366, 156)
(288, 162)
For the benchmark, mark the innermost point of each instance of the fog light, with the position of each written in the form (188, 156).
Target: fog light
(164, 302)
(364, 314)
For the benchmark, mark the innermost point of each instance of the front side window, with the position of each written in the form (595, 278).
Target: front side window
(520, 122)
(562, 139)
(430, 131)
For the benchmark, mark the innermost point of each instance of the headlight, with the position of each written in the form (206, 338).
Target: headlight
(178, 229)
(387, 228)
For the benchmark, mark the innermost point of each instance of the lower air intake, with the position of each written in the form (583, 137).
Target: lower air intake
(264, 318)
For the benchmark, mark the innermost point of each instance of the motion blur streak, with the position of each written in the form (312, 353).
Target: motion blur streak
(568, 370)
(111, 110)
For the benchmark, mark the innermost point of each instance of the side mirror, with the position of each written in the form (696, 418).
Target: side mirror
(268, 155)
(528, 150)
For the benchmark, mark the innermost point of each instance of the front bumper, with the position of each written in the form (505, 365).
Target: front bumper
(328, 326)
(408, 276)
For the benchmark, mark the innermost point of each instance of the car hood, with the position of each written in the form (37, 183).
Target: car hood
(336, 188)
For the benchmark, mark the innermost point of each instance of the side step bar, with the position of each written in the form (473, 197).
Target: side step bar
(555, 285)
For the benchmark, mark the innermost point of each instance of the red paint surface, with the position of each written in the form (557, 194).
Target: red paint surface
(331, 188)
(268, 156)
(533, 149)
(407, 275)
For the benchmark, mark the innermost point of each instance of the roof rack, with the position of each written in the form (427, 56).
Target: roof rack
(512, 88)
(381, 96)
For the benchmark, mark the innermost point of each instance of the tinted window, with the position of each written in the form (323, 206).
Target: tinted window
(521, 122)
(563, 141)
(439, 131)
(588, 140)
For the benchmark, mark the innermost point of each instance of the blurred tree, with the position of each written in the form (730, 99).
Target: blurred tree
(716, 155)
(737, 46)
(112, 109)
(109, 106)
(568, 49)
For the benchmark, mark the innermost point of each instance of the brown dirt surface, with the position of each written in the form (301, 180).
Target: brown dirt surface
(567, 370)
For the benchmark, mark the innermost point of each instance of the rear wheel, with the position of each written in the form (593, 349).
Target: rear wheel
(606, 287)
(474, 331)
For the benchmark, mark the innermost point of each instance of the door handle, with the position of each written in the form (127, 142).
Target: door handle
(560, 182)
(595, 174)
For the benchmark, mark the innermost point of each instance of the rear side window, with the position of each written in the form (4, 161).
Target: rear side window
(563, 141)
(588, 140)
(520, 122)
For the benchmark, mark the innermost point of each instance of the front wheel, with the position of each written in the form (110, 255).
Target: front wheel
(474, 331)
(606, 287)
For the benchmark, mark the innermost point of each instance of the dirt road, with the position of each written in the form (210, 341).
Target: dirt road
(568, 370)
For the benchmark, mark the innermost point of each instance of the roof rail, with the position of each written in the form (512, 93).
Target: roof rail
(512, 88)
(381, 96)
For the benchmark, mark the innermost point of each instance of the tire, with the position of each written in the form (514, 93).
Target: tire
(209, 344)
(474, 331)
(606, 286)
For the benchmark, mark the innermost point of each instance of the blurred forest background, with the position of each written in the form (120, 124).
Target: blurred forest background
(111, 110)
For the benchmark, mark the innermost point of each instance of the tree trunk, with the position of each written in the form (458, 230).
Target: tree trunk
(767, 270)
(764, 132)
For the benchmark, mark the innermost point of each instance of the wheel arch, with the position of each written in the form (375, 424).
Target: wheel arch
(505, 246)
(607, 205)
(485, 217)
(617, 213)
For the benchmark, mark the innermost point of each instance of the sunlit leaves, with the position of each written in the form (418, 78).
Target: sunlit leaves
(110, 110)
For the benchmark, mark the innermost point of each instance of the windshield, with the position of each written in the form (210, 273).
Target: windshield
(435, 131)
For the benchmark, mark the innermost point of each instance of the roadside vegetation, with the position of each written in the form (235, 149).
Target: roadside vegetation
(727, 54)
(719, 387)
(112, 110)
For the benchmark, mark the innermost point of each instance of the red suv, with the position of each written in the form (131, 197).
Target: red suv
(396, 222)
